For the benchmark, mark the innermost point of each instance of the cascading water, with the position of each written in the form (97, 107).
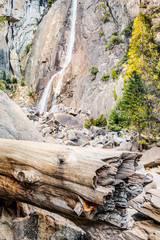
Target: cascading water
(43, 103)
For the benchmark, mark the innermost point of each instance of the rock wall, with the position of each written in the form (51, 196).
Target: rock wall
(80, 89)
(22, 18)
(46, 37)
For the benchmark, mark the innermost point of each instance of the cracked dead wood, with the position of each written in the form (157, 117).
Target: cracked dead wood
(89, 186)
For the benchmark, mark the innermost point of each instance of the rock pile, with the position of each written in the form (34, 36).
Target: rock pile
(66, 127)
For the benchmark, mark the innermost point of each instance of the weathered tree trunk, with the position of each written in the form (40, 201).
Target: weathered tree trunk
(88, 186)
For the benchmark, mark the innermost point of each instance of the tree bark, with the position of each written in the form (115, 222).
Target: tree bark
(89, 186)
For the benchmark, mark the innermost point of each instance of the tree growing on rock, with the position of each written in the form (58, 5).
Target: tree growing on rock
(144, 58)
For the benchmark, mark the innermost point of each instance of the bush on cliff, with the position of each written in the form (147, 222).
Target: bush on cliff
(2, 85)
(93, 70)
(115, 40)
(105, 76)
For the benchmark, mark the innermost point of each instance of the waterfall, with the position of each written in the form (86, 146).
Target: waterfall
(43, 103)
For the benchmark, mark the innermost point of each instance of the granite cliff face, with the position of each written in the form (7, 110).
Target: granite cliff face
(45, 32)
(22, 18)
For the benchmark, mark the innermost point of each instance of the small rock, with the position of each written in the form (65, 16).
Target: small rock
(97, 130)
(46, 130)
(72, 135)
(70, 143)
(51, 123)
(118, 140)
(108, 145)
(61, 135)
(51, 116)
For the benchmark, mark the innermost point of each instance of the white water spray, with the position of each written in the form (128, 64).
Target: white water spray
(43, 103)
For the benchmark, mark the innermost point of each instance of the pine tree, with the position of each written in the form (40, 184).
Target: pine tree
(133, 105)
(144, 58)
(143, 52)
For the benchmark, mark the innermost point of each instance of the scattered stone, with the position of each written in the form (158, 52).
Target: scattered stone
(70, 143)
(72, 135)
(46, 130)
(97, 131)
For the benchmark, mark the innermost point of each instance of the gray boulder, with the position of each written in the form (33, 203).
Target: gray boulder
(14, 124)
(97, 130)
(72, 135)
(151, 158)
(67, 120)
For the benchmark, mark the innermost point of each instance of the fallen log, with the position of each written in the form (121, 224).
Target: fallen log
(89, 186)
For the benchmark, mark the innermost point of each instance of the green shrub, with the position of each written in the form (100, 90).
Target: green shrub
(89, 122)
(100, 34)
(14, 80)
(93, 70)
(105, 76)
(143, 4)
(156, 26)
(22, 82)
(8, 81)
(114, 128)
(2, 85)
(105, 16)
(49, 3)
(113, 117)
(115, 33)
(102, 5)
(30, 90)
(27, 48)
(114, 74)
(115, 40)
(114, 94)
(114, 120)
(4, 76)
(152, 12)
(99, 122)
(127, 31)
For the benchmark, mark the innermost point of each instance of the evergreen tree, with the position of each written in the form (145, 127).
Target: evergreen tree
(143, 52)
(144, 58)
(133, 104)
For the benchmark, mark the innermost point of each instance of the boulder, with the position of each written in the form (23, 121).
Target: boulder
(109, 145)
(67, 120)
(37, 224)
(14, 124)
(81, 136)
(46, 130)
(142, 230)
(72, 135)
(125, 146)
(158, 143)
(97, 130)
(118, 140)
(149, 204)
(71, 143)
(151, 158)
